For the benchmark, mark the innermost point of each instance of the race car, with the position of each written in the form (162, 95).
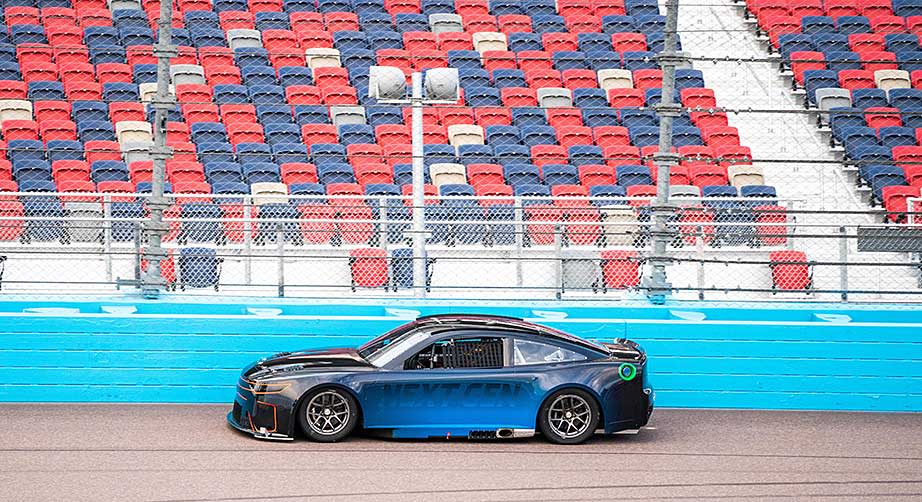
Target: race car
(450, 376)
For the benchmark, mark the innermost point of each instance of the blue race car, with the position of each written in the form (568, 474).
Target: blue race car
(464, 375)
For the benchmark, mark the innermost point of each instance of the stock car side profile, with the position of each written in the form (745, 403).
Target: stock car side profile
(452, 375)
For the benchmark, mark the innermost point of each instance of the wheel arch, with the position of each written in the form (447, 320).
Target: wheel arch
(595, 396)
(360, 423)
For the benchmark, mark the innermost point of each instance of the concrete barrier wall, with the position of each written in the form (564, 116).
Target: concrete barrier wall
(701, 355)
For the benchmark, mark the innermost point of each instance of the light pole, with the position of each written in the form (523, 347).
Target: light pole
(387, 84)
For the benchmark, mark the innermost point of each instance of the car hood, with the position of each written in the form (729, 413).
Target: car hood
(308, 360)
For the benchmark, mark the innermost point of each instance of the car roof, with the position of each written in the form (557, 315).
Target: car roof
(506, 322)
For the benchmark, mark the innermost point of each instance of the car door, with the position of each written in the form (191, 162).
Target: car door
(453, 384)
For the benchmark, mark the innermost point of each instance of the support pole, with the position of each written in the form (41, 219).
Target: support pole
(162, 103)
(419, 237)
(655, 284)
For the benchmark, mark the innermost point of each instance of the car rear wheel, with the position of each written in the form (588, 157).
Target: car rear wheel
(328, 415)
(569, 416)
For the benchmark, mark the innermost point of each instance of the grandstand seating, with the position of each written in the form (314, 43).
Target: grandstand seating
(273, 102)
(862, 62)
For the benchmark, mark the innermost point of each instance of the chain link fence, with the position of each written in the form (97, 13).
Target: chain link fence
(793, 145)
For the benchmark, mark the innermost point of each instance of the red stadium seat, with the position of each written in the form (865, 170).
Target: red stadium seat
(234, 20)
(516, 96)
(200, 113)
(298, 172)
(648, 79)
(514, 23)
(362, 153)
(861, 42)
(122, 111)
(790, 270)
(420, 41)
(562, 117)
(696, 97)
(620, 155)
(57, 130)
(620, 269)
(83, 91)
(306, 21)
(628, 42)
(494, 190)
(474, 23)
(579, 79)
(772, 225)
(471, 7)
(371, 172)
(626, 98)
(241, 132)
(548, 154)
(569, 136)
(720, 136)
(101, 150)
(556, 42)
(540, 221)
(537, 79)
(878, 117)
(455, 41)
(591, 175)
(341, 21)
(702, 175)
(387, 134)
(856, 79)
(20, 129)
(237, 112)
(611, 135)
(487, 116)
(535, 60)
(485, 174)
(313, 134)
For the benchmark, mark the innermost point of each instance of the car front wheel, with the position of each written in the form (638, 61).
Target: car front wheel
(328, 415)
(569, 416)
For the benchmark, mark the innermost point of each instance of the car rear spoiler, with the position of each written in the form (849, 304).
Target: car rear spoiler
(623, 348)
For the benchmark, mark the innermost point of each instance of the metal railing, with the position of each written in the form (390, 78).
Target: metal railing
(564, 247)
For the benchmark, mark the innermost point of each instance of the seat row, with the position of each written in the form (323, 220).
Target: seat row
(367, 172)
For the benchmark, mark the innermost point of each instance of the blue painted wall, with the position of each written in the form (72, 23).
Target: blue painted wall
(702, 355)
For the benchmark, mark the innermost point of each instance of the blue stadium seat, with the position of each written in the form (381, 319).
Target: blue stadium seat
(524, 116)
(843, 60)
(512, 154)
(271, 21)
(108, 170)
(215, 152)
(261, 172)
(255, 153)
(568, 60)
(522, 174)
(594, 42)
(376, 21)
(817, 24)
(279, 133)
(897, 136)
(848, 25)
(95, 131)
(603, 60)
(906, 99)
(629, 175)
(560, 174)
(482, 96)
(502, 135)
(830, 42)
(411, 22)
(475, 154)
(62, 149)
(223, 172)
(199, 268)
(538, 135)
(520, 41)
(608, 191)
(508, 78)
(591, 99)
(581, 155)
(333, 153)
(463, 60)
(378, 40)
(289, 152)
(311, 114)
(548, 24)
(867, 98)
(539, 7)
(335, 172)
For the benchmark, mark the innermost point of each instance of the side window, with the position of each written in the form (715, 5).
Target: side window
(530, 352)
(469, 352)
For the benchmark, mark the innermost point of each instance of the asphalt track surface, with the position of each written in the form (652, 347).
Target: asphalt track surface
(90, 452)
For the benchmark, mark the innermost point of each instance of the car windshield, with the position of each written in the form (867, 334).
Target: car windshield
(376, 349)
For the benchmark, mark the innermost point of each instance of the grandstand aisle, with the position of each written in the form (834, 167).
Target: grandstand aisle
(795, 156)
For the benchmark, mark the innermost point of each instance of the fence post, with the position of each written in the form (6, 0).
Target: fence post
(843, 262)
(419, 202)
(162, 103)
(655, 283)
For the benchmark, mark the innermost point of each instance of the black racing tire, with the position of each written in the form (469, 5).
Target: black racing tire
(560, 428)
(321, 417)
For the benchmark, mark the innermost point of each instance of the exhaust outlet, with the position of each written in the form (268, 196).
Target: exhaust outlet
(504, 433)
